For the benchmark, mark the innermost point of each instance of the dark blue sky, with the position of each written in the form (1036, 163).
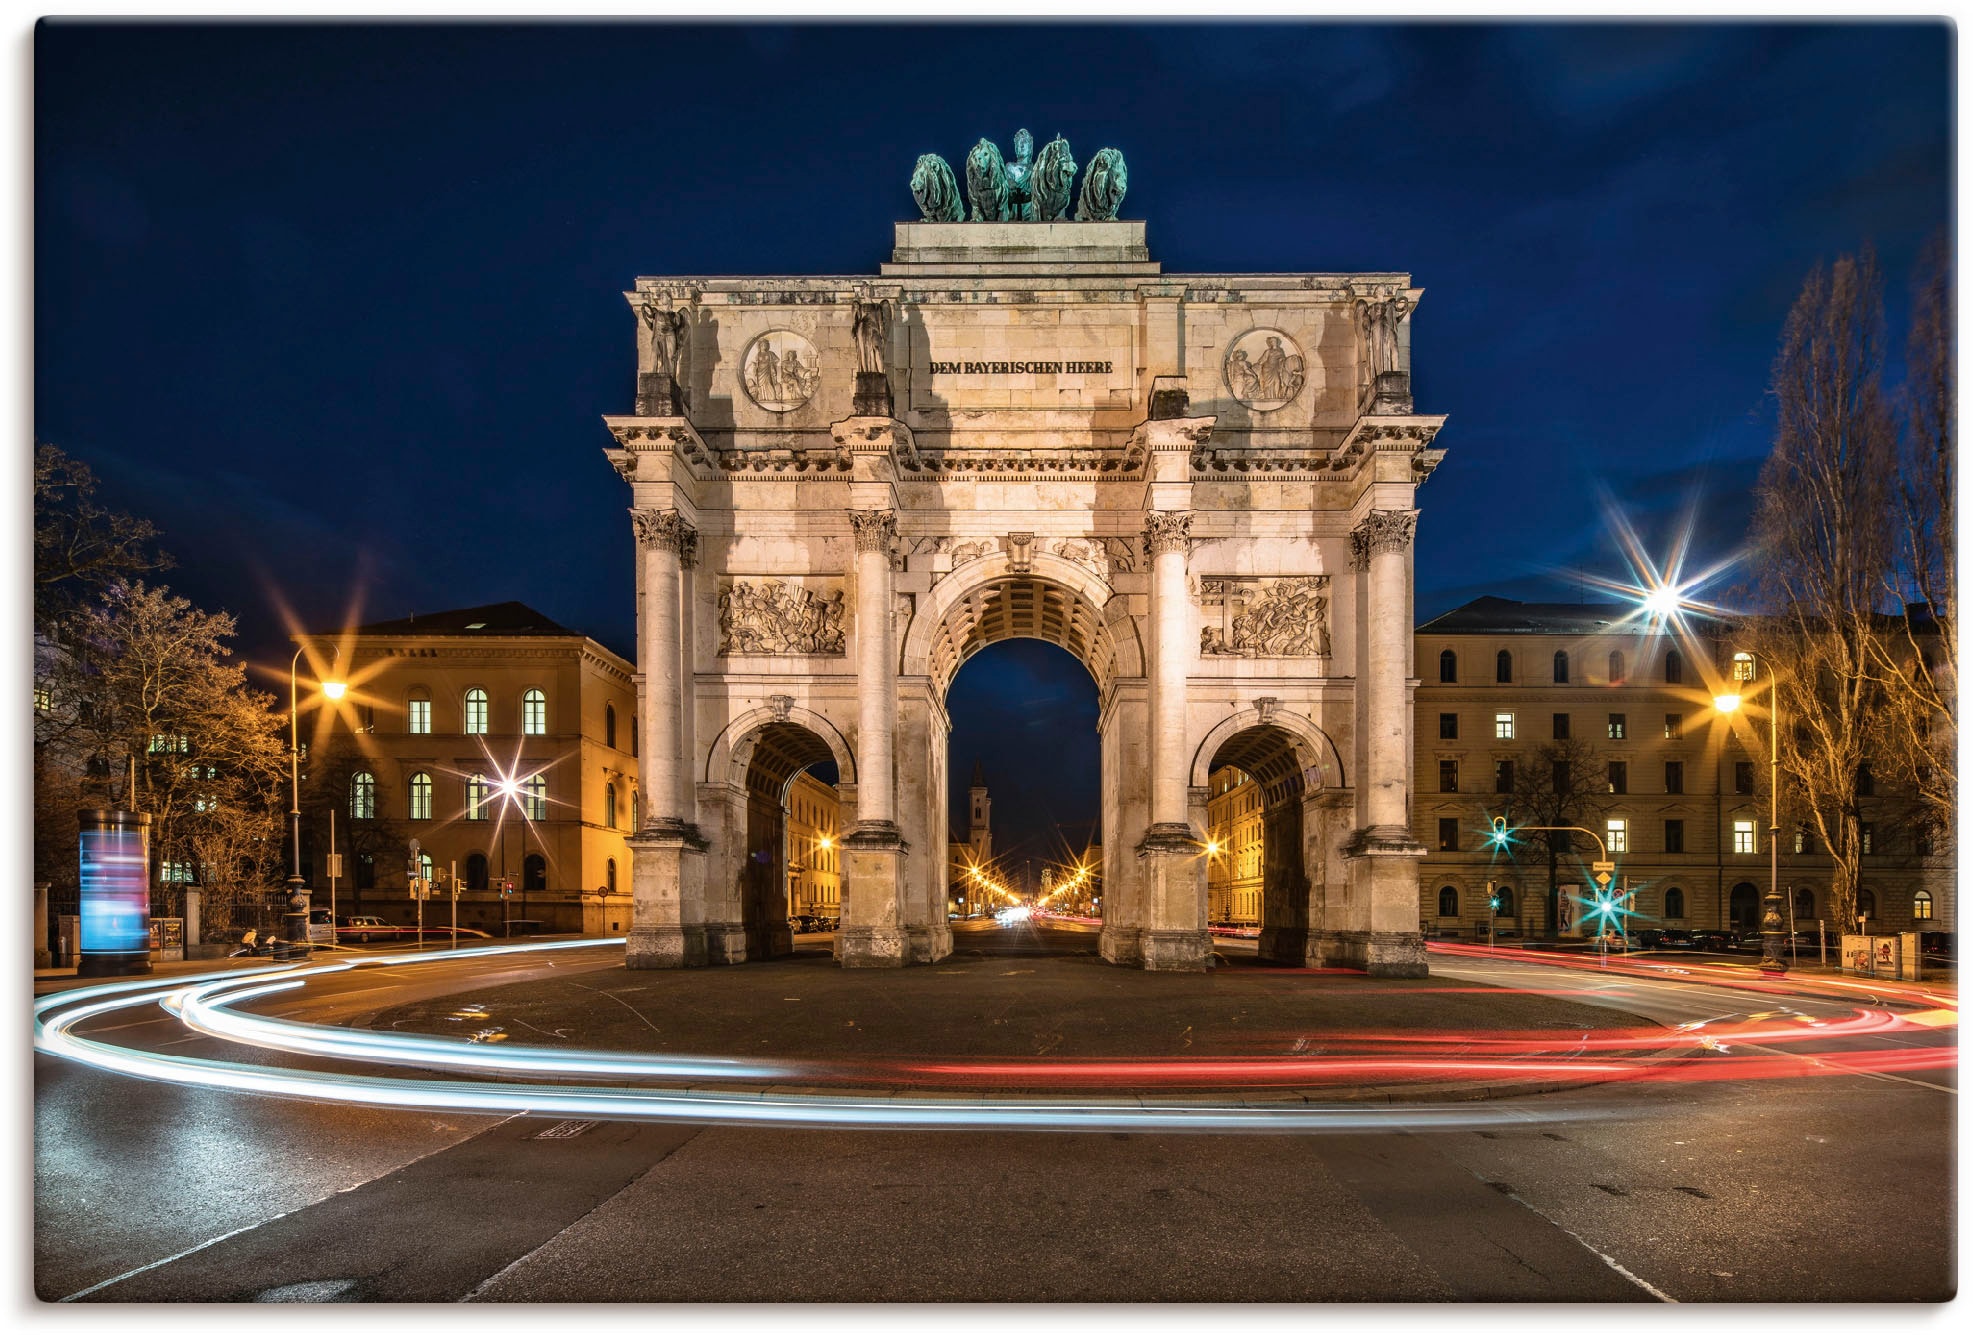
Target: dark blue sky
(338, 306)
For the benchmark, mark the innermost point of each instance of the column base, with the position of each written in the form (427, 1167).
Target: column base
(669, 946)
(1177, 952)
(1121, 945)
(726, 943)
(1287, 945)
(872, 948)
(927, 945)
(1378, 954)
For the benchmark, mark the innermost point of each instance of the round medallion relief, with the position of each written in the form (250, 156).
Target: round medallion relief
(780, 370)
(1265, 369)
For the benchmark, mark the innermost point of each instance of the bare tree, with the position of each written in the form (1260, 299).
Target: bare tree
(1560, 786)
(1918, 667)
(81, 548)
(1823, 539)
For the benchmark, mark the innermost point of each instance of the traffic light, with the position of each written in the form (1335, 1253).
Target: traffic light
(1493, 896)
(1500, 832)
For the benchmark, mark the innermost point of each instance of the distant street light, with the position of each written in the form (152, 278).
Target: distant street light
(293, 942)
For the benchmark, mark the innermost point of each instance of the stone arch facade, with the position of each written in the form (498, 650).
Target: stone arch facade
(1202, 486)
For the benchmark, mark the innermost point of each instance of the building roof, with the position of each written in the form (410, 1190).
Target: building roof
(498, 619)
(1504, 616)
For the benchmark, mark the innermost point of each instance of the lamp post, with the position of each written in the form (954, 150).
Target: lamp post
(294, 942)
(1745, 668)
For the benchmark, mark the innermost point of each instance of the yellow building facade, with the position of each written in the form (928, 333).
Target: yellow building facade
(503, 743)
(1234, 838)
(814, 866)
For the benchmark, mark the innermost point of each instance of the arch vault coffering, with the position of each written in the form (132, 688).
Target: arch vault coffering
(1052, 600)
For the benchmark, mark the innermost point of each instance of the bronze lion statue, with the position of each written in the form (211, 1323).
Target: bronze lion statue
(986, 182)
(1103, 187)
(1053, 179)
(936, 189)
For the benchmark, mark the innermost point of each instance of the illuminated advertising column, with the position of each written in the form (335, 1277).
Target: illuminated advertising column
(116, 893)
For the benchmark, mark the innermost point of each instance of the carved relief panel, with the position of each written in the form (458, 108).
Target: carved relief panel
(782, 616)
(1259, 617)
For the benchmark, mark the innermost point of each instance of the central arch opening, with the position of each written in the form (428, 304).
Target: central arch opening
(1022, 664)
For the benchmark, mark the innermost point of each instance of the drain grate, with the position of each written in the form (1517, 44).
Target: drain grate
(563, 1131)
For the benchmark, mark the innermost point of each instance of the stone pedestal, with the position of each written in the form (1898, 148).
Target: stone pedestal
(873, 395)
(664, 864)
(871, 935)
(1392, 394)
(658, 395)
(1174, 936)
(1379, 930)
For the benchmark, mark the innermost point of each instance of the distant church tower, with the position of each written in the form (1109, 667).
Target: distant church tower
(981, 835)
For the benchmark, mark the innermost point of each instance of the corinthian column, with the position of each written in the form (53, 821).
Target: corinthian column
(662, 539)
(876, 671)
(1167, 544)
(1381, 545)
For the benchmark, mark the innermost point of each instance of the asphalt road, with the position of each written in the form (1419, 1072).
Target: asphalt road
(1824, 1187)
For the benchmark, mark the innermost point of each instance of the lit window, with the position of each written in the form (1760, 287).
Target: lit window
(43, 701)
(1801, 839)
(1616, 727)
(534, 797)
(169, 744)
(1921, 906)
(476, 710)
(363, 796)
(1619, 776)
(1743, 837)
(476, 796)
(427, 870)
(1448, 776)
(1674, 726)
(534, 714)
(1865, 833)
(418, 715)
(421, 797)
(1503, 727)
(1617, 835)
(175, 873)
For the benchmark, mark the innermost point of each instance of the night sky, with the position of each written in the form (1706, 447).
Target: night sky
(339, 307)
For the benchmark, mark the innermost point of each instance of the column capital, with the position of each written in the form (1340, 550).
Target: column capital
(874, 530)
(1381, 531)
(665, 530)
(1166, 531)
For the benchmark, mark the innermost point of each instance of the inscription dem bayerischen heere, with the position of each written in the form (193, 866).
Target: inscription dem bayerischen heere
(1020, 368)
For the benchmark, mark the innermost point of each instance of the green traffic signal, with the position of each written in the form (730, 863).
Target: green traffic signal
(1500, 832)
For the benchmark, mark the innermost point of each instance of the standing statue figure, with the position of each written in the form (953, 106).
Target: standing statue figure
(871, 326)
(1053, 181)
(661, 359)
(1381, 318)
(936, 190)
(986, 182)
(1103, 187)
(1020, 197)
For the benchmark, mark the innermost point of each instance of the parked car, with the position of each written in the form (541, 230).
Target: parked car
(1713, 940)
(1648, 938)
(321, 928)
(1676, 938)
(805, 922)
(364, 929)
(1938, 943)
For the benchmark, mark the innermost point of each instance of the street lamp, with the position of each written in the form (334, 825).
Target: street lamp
(294, 942)
(1745, 669)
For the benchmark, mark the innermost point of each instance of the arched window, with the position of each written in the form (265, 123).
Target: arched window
(363, 795)
(476, 797)
(1448, 902)
(610, 726)
(427, 869)
(1616, 667)
(610, 876)
(476, 710)
(1505, 897)
(1804, 906)
(1503, 667)
(418, 712)
(421, 796)
(534, 714)
(1674, 903)
(476, 871)
(1866, 903)
(1561, 667)
(1448, 666)
(1921, 906)
(534, 796)
(609, 806)
(534, 872)
(1674, 668)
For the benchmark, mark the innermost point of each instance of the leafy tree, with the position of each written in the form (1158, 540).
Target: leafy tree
(1824, 542)
(1561, 785)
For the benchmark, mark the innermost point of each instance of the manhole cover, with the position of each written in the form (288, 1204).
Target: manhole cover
(562, 1131)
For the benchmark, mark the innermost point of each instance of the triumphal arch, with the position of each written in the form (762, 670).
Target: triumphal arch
(1201, 485)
